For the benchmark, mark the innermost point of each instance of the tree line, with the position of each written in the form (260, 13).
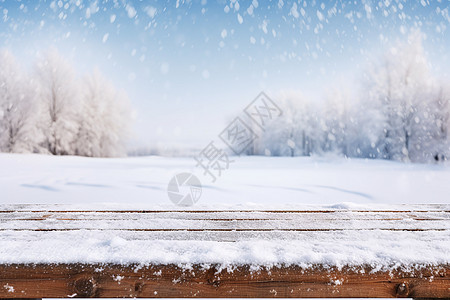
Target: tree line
(400, 112)
(50, 110)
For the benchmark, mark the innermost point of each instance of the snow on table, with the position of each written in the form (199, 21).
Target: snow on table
(336, 237)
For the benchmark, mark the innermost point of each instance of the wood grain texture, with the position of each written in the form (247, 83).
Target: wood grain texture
(78, 280)
(262, 221)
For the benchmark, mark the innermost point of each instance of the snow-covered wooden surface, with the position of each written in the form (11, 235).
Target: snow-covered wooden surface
(398, 252)
(386, 238)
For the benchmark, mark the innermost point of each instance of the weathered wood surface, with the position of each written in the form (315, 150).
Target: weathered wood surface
(77, 280)
(332, 220)
(19, 280)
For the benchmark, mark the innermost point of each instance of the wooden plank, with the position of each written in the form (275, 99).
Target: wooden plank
(230, 230)
(225, 216)
(226, 221)
(445, 209)
(224, 212)
(36, 238)
(78, 280)
(63, 208)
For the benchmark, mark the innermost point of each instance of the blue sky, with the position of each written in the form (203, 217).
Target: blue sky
(188, 66)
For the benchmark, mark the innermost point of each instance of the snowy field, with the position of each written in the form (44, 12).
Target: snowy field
(250, 182)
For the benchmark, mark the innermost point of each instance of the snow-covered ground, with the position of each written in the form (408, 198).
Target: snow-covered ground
(250, 182)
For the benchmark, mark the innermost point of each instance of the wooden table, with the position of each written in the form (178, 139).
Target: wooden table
(54, 279)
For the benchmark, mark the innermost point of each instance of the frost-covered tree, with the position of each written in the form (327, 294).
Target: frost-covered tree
(59, 101)
(52, 112)
(400, 99)
(437, 145)
(254, 148)
(104, 119)
(296, 132)
(338, 131)
(17, 108)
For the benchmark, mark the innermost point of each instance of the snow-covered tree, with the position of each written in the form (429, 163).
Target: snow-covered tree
(104, 119)
(337, 122)
(297, 132)
(52, 112)
(438, 143)
(400, 99)
(59, 101)
(17, 108)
